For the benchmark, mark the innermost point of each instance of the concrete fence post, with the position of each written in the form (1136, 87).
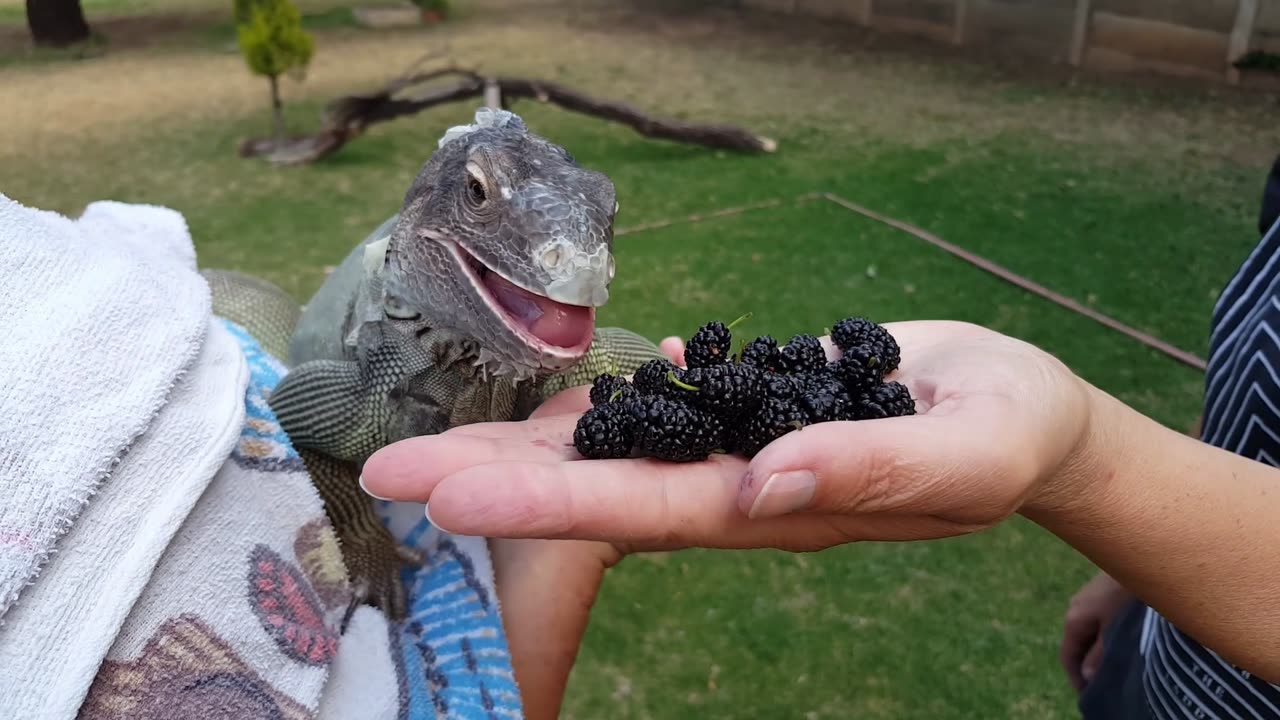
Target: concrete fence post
(1080, 32)
(1246, 14)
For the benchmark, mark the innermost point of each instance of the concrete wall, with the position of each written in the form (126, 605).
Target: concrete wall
(1266, 29)
(1196, 38)
(1034, 27)
(1219, 15)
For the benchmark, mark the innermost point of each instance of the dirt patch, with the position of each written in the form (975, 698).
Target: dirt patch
(777, 75)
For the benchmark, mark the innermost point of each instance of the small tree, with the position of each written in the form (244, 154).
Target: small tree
(273, 43)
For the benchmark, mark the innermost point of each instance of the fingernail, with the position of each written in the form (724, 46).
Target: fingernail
(426, 510)
(783, 493)
(366, 491)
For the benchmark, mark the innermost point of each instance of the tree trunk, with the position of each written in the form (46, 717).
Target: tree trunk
(277, 109)
(56, 23)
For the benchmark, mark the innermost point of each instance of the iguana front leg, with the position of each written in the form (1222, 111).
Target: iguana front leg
(348, 409)
(373, 557)
(337, 413)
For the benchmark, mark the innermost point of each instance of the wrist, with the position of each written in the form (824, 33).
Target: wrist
(1071, 492)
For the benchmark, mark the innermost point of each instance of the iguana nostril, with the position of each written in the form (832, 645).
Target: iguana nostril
(552, 258)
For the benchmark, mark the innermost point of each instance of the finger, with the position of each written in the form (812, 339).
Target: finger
(940, 463)
(829, 347)
(546, 590)
(410, 469)
(1077, 636)
(556, 426)
(574, 400)
(1092, 661)
(636, 501)
(643, 506)
(673, 347)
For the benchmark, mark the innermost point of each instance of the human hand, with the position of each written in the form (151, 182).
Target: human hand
(1001, 427)
(547, 588)
(1089, 614)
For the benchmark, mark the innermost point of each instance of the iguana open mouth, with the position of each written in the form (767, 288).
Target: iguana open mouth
(545, 324)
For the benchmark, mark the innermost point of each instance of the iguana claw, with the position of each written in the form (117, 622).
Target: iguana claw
(373, 558)
(374, 564)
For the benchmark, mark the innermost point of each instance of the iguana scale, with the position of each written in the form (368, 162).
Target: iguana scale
(473, 303)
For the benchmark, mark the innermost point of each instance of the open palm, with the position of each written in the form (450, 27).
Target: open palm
(996, 420)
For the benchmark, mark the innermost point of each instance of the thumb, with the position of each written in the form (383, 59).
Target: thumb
(673, 348)
(918, 464)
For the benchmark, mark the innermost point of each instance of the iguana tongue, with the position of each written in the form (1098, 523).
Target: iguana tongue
(551, 322)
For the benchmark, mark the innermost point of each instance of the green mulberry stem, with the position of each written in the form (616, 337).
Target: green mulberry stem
(671, 375)
(737, 356)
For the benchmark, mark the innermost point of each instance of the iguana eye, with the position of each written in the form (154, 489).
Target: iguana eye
(475, 190)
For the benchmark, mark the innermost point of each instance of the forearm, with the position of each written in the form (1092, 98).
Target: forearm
(1191, 529)
(546, 589)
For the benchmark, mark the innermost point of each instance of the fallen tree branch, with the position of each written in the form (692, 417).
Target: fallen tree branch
(349, 116)
(728, 137)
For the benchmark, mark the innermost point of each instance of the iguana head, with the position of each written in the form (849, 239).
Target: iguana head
(504, 238)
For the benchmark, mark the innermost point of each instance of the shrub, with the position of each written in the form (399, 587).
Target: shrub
(273, 43)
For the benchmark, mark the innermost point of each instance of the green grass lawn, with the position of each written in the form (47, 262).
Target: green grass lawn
(955, 629)
(964, 628)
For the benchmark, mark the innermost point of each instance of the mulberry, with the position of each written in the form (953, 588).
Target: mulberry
(762, 354)
(709, 346)
(891, 399)
(782, 387)
(824, 398)
(611, 388)
(775, 418)
(857, 331)
(671, 430)
(803, 353)
(726, 391)
(651, 377)
(860, 369)
(604, 432)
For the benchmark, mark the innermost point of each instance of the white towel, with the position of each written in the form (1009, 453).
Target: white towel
(57, 635)
(86, 362)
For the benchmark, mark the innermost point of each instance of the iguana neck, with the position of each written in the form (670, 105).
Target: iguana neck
(451, 348)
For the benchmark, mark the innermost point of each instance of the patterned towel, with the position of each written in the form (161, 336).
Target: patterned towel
(190, 570)
(448, 658)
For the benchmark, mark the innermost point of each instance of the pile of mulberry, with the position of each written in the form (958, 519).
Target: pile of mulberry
(724, 402)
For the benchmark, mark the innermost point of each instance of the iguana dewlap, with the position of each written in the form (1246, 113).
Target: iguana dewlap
(472, 304)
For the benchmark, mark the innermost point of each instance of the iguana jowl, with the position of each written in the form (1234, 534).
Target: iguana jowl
(472, 304)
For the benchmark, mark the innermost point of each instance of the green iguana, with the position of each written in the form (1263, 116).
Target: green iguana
(473, 303)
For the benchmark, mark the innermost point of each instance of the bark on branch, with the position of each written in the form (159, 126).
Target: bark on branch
(349, 116)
